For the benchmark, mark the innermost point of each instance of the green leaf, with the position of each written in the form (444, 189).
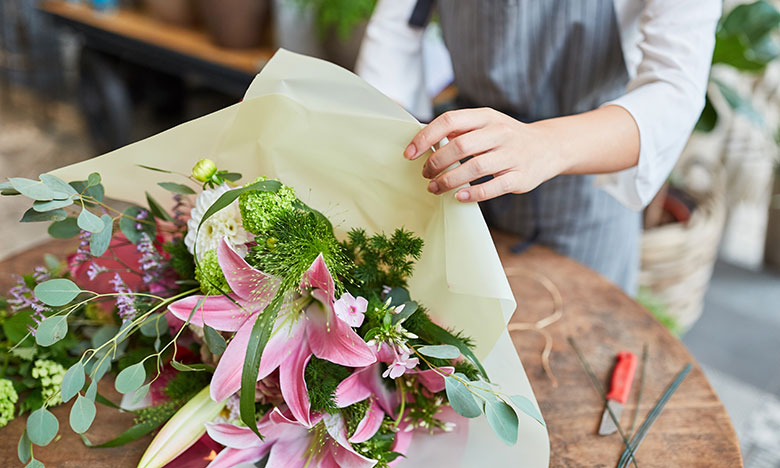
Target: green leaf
(82, 414)
(258, 338)
(127, 224)
(154, 325)
(177, 188)
(88, 221)
(409, 308)
(32, 216)
(51, 330)
(437, 334)
(42, 426)
(744, 37)
(131, 378)
(157, 210)
(15, 326)
(214, 340)
(44, 206)
(35, 464)
(52, 262)
(503, 420)
(231, 176)
(739, 103)
(708, 118)
(139, 394)
(188, 367)
(461, 399)
(155, 169)
(93, 179)
(134, 433)
(526, 406)
(34, 189)
(398, 296)
(231, 195)
(24, 449)
(58, 185)
(72, 382)
(65, 229)
(91, 392)
(99, 242)
(439, 351)
(103, 334)
(56, 292)
(97, 192)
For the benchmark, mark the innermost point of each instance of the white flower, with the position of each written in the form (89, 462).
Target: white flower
(225, 223)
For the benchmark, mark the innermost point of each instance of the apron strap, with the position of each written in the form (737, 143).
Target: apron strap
(421, 13)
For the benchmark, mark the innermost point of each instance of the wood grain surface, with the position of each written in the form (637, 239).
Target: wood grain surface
(693, 431)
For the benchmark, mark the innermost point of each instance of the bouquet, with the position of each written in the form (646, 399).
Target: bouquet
(245, 319)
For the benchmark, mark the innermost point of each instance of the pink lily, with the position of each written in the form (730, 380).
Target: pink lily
(289, 443)
(295, 338)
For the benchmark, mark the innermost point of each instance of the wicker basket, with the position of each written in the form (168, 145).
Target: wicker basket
(677, 259)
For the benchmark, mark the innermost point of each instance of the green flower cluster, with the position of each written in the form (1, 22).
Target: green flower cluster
(50, 374)
(8, 397)
(210, 276)
(259, 209)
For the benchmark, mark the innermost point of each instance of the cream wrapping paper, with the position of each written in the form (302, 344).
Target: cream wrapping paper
(338, 142)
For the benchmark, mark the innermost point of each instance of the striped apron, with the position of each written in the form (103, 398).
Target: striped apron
(537, 59)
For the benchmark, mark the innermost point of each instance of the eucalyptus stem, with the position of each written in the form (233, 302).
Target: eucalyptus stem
(641, 388)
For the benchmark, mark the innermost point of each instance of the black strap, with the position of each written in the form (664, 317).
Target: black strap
(421, 13)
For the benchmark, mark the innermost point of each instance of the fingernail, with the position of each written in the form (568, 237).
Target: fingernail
(463, 195)
(433, 187)
(425, 172)
(410, 151)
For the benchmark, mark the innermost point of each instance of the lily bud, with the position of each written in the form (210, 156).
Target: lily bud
(204, 170)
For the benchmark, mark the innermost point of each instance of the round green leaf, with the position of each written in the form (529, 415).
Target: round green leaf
(439, 351)
(88, 221)
(98, 243)
(93, 179)
(35, 464)
(32, 188)
(131, 378)
(32, 216)
(524, 404)
(154, 325)
(57, 292)
(139, 394)
(91, 392)
(127, 224)
(73, 381)
(42, 426)
(23, 449)
(461, 400)
(64, 229)
(82, 414)
(51, 330)
(57, 184)
(503, 420)
(44, 206)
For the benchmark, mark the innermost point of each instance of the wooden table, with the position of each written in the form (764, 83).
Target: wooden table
(693, 431)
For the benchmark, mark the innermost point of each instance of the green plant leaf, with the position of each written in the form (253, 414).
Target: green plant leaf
(708, 118)
(42, 426)
(188, 367)
(23, 449)
(32, 216)
(214, 340)
(93, 179)
(91, 392)
(139, 394)
(65, 229)
(744, 39)
(230, 196)
(99, 242)
(51, 330)
(439, 351)
(409, 308)
(58, 185)
(231, 176)
(44, 206)
(72, 382)
(130, 379)
(155, 169)
(437, 334)
(82, 414)
(88, 221)
(34, 189)
(398, 296)
(524, 404)
(503, 420)
(35, 464)
(127, 224)
(56, 292)
(154, 325)
(461, 399)
(156, 209)
(134, 433)
(177, 188)
(97, 191)
(15, 326)
(739, 103)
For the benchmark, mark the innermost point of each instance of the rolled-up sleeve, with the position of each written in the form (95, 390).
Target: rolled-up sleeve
(666, 94)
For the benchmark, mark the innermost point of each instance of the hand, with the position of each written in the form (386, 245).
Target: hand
(520, 156)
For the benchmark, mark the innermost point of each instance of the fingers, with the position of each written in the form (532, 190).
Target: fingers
(469, 144)
(453, 122)
(491, 189)
(479, 166)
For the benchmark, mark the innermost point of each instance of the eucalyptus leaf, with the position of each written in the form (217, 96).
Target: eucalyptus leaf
(51, 330)
(398, 296)
(91, 392)
(56, 292)
(127, 224)
(214, 340)
(97, 192)
(103, 334)
(526, 406)
(503, 420)
(58, 185)
(177, 188)
(72, 382)
(154, 325)
(189, 367)
(88, 221)
(157, 210)
(64, 229)
(44, 206)
(35, 464)
(82, 414)
(42, 427)
(33, 189)
(130, 379)
(99, 242)
(24, 449)
(93, 179)
(439, 351)
(460, 398)
(408, 309)
(231, 176)
(140, 394)
(52, 262)
(32, 216)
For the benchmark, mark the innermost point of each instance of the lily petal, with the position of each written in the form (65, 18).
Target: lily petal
(318, 277)
(230, 457)
(289, 453)
(250, 284)
(219, 312)
(369, 425)
(332, 339)
(230, 435)
(431, 379)
(291, 379)
(344, 454)
(287, 331)
(353, 389)
(227, 377)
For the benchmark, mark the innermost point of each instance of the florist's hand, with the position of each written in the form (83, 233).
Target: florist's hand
(520, 156)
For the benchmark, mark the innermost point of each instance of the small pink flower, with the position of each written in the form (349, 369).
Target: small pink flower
(350, 309)
(400, 365)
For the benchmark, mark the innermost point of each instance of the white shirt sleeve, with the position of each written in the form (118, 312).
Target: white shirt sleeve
(391, 57)
(665, 96)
